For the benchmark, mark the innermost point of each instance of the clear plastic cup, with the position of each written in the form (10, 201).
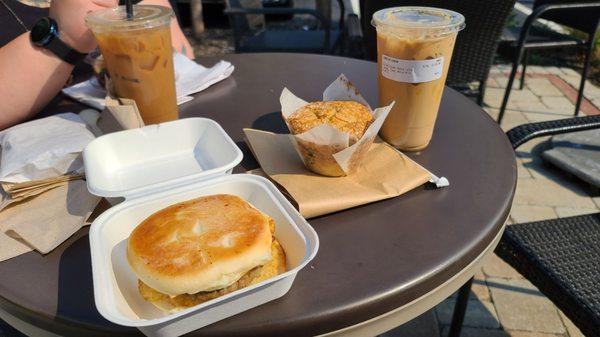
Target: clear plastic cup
(414, 47)
(139, 57)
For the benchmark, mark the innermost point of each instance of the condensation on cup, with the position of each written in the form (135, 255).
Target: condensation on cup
(139, 57)
(414, 47)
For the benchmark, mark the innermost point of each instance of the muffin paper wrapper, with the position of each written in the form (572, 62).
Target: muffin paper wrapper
(326, 135)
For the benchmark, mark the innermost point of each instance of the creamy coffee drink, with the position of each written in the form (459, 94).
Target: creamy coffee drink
(414, 46)
(139, 58)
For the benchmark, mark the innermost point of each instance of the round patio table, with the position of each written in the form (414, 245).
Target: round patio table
(378, 266)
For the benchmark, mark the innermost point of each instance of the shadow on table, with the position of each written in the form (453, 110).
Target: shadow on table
(272, 122)
(76, 291)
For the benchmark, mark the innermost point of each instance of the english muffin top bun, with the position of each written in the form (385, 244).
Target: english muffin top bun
(200, 245)
(347, 116)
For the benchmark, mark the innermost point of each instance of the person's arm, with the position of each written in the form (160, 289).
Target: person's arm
(178, 39)
(31, 76)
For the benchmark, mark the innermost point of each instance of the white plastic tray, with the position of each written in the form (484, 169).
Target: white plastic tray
(115, 284)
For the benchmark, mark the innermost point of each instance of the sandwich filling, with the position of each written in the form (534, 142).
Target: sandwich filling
(171, 304)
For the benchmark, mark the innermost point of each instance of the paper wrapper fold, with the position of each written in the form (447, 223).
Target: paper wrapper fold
(385, 173)
(325, 149)
(13, 193)
(120, 114)
(44, 222)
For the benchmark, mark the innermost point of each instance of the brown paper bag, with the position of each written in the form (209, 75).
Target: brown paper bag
(119, 114)
(44, 222)
(384, 174)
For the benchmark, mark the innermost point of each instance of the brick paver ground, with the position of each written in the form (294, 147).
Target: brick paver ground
(503, 303)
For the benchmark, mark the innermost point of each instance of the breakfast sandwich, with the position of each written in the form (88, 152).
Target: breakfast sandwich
(200, 249)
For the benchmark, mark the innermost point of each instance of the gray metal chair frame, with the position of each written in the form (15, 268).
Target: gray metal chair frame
(523, 48)
(237, 17)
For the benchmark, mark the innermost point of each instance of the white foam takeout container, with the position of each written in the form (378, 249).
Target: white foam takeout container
(160, 165)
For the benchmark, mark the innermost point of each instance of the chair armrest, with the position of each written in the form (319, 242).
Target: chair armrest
(315, 13)
(354, 37)
(342, 14)
(563, 6)
(353, 28)
(523, 133)
(537, 12)
(558, 7)
(246, 11)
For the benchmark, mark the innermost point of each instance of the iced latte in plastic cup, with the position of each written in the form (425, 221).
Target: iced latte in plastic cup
(139, 57)
(414, 47)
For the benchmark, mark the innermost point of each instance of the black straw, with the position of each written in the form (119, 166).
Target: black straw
(129, 8)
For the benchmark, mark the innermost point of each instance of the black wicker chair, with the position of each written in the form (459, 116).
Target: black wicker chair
(475, 46)
(325, 40)
(578, 14)
(560, 256)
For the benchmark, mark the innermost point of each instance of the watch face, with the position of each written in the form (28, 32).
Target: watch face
(40, 33)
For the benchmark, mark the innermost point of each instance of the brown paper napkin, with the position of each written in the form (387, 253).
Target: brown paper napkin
(44, 222)
(119, 114)
(385, 173)
(30, 187)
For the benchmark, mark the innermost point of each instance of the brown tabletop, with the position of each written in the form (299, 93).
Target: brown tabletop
(372, 259)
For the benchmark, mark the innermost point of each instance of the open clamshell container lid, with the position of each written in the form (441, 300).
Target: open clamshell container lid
(135, 162)
(160, 165)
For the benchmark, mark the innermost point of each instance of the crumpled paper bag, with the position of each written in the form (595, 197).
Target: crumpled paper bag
(43, 148)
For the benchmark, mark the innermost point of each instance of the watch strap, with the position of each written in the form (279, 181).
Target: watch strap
(64, 52)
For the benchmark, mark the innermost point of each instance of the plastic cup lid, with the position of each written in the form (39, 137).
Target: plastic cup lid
(115, 19)
(431, 20)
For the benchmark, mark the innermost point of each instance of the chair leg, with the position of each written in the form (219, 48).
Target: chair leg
(524, 62)
(196, 16)
(482, 85)
(584, 73)
(460, 308)
(511, 79)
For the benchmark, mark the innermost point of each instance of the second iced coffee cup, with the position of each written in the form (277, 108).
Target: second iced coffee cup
(139, 57)
(414, 47)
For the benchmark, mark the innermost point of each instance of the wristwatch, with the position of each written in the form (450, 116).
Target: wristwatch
(45, 34)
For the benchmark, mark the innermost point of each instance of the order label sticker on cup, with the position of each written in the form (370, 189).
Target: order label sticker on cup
(410, 71)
